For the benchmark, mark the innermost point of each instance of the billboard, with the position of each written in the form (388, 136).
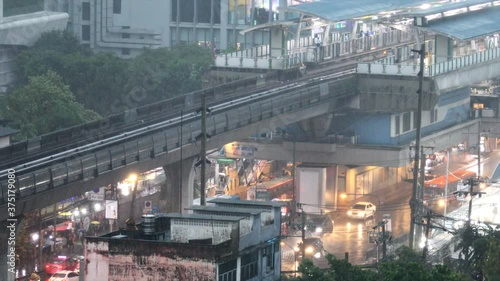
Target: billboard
(239, 150)
(112, 209)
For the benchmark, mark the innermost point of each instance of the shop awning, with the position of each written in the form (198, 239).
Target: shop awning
(225, 161)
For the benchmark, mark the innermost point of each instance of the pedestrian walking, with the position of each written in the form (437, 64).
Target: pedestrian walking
(317, 41)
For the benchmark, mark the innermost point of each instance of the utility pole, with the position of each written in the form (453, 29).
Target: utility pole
(421, 187)
(294, 199)
(414, 200)
(479, 150)
(384, 242)
(427, 229)
(446, 184)
(303, 229)
(203, 153)
(132, 203)
(180, 174)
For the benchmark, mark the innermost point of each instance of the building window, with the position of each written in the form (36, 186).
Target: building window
(117, 6)
(203, 8)
(227, 271)
(397, 124)
(174, 11)
(434, 113)
(406, 122)
(125, 35)
(125, 51)
(85, 11)
(86, 32)
(269, 253)
(187, 10)
(249, 266)
(216, 12)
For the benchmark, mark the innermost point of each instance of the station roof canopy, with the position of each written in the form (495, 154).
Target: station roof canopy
(442, 7)
(335, 10)
(468, 25)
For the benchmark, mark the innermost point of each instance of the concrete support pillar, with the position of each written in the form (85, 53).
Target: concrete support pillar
(1, 10)
(443, 49)
(318, 126)
(277, 41)
(180, 181)
(224, 11)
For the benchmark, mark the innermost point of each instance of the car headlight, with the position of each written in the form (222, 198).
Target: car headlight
(319, 229)
(317, 255)
(309, 250)
(349, 213)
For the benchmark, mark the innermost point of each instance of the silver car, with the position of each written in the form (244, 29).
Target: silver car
(362, 210)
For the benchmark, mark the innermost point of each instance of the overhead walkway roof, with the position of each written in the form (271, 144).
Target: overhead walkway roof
(468, 25)
(465, 26)
(443, 7)
(335, 10)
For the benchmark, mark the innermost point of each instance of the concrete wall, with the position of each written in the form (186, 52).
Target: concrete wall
(123, 260)
(374, 129)
(393, 93)
(219, 231)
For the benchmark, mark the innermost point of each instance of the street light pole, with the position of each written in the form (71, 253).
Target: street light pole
(135, 178)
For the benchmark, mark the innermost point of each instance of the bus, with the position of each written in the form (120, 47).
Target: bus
(434, 189)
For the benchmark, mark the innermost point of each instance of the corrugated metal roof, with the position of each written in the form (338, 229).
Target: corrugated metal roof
(469, 25)
(335, 10)
(443, 7)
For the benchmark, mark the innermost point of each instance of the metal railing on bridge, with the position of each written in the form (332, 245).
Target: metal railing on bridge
(412, 69)
(259, 57)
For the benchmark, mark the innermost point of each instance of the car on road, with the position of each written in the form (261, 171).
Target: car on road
(313, 248)
(318, 225)
(362, 210)
(65, 275)
(61, 263)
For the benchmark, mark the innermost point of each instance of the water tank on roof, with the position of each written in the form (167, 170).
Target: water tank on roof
(148, 224)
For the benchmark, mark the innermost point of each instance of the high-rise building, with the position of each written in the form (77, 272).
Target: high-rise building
(125, 27)
(21, 24)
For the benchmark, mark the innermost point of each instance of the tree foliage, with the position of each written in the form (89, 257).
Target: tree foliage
(407, 265)
(163, 73)
(44, 105)
(108, 84)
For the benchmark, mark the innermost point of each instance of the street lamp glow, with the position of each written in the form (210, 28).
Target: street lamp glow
(35, 236)
(84, 211)
(132, 177)
(97, 207)
(343, 196)
(76, 213)
(125, 190)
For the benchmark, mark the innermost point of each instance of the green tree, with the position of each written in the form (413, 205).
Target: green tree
(492, 262)
(44, 105)
(407, 265)
(163, 73)
(97, 81)
(62, 42)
